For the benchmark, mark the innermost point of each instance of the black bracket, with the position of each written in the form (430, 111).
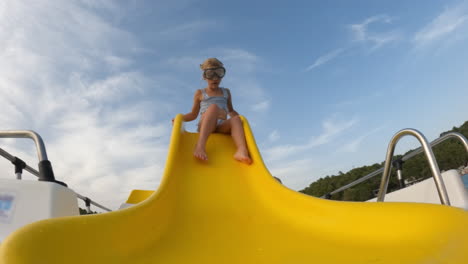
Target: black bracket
(47, 174)
(87, 202)
(19, 165)
(45, 171)
(398, 164)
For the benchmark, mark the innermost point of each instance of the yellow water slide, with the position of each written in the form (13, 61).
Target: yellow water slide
(223, 211)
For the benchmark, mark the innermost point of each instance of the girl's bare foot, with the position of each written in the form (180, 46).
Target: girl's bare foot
(242, 155)
(200, 153)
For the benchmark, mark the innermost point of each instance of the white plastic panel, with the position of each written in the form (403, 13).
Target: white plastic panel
(24, 202)
(426, 191)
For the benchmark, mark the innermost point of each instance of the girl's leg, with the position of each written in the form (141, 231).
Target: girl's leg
(207, 126)
(234, 126)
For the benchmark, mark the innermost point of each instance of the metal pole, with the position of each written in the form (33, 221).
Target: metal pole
(430, 157)
(7, 155)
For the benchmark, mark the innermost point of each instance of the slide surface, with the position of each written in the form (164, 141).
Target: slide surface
(223, 211)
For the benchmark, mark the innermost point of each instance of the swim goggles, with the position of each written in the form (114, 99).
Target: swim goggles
(211, 72)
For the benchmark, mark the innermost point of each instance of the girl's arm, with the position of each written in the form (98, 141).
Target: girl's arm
(232, 112)
(195, 108)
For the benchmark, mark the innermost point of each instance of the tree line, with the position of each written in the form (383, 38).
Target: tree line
(449, 154)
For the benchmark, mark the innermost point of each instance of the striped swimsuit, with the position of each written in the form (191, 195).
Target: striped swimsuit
(220, 101)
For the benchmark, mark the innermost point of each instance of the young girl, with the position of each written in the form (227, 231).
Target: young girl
(214, 103)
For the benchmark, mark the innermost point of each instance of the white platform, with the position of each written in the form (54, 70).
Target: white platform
(24, 202)
(426, 191)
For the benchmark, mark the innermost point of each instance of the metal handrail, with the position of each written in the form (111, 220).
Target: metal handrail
(45, 168)
(42, 154)
(444, 199)
(404, 158)
(41, 151)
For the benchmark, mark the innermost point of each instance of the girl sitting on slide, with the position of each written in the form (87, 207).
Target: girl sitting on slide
(214, 103)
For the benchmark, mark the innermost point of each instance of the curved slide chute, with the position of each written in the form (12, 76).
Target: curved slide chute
(223, 211)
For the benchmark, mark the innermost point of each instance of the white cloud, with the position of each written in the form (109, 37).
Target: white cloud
(242, 68)
(354, 145)
(115, 87)
(248, 58)
(71, 75)
(361, 32)
(117, 63)
(324, 59)
(65, 74)
(187, 30)
(331, 129)
(261, 106)
(185, 63)
(106, 4)
(446, 23)
(274, 136)
(295, 174)
(359, 100)
(237, 61)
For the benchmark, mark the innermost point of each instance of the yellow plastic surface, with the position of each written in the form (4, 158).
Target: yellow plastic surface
(223, 211)
(138, 196)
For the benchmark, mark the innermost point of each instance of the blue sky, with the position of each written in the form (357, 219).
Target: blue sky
(324, 85)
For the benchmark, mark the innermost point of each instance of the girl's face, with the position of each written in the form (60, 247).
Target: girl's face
(213, 83)
(213, 76)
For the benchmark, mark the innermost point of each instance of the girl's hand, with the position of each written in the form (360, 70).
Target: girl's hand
(222, 114)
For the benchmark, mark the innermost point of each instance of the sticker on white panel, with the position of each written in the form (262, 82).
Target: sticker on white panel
(7, 205)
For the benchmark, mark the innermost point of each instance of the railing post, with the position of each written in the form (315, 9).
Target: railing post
(398, 164)
(88, 205)
(19, 166)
